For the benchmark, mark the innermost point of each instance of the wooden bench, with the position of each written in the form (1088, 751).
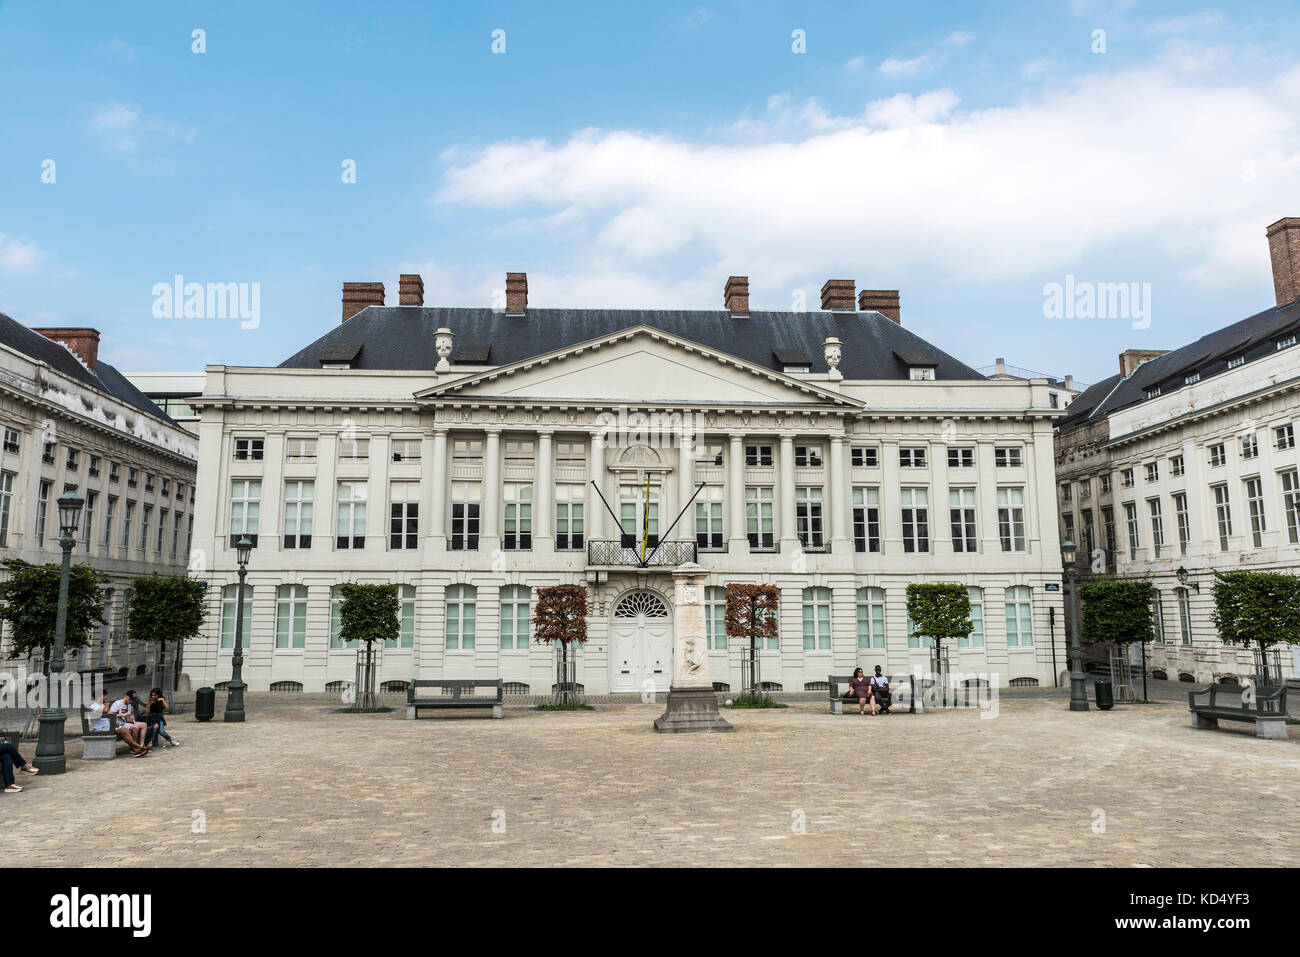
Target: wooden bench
(98, 745)
(1268, 713)
(898, 689)
(455, 693)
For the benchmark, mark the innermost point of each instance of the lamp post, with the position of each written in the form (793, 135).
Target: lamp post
(1078, 691)
(50, 758)
(235, 690)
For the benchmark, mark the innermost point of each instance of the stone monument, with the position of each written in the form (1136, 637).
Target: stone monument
(692, 702)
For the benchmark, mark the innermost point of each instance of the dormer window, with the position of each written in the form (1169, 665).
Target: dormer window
(1194, 377)
(921, 373)
(792, 361)
(340, 357)
(1285, 342)
(1153, 393)
(1236, 361)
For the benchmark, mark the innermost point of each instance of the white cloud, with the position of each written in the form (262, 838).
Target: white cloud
(895, 67)
(1187, 23)
(1150, 155)
(1036, 68)
(856, 64)
(19, 255)
(121, 126)
(699, 17)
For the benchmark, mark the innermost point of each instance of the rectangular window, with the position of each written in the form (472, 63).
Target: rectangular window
(1011, 519)
(1191, 379)
(405, 618)
(1153, 471)
(12, 437)
(1085, 488)
(866, 519)
(519, 453)
(1067, 525)
(514, 618)
(1285, 342)
(1176, 465)
(1007, 458)
(245, 508)
(864, 457)
(1183, 521)
(1105, 485)
(350, 520)
(1255, 508)
(298, 513)
(336, 621)
(229, 611)
(166, 484)
(1223, 513)
(1157, 525)
(132, 478)
(291, 616)
(1249, 446)
(708, 518)
(6, 505)
(963, 458)
(176, 532)
(404, 450)
(808, 456)
(73, 460)
(1184, 616)
(1236, 361)
(871, 618)
(1291, 504)
(1108, 529)
(808, 516)
(467, 452)
(920, 373)
(1153, 393)
(1126, 478)
(517, 512)
(460, 617)
(569, 504)
(88, 517)
(246, 450)
(1065, 492)
(916, 519)
(1217, 455)
(961, 514)
(127, 518)
(466, 499)
(816, 619)
(1131, 521)
(570, 454)
(299, 450)
(1088, 538)
(976, 639)
(404, 515)
(108, 521)
(1157, 616)
(162, 529)
(912, 458)
(353, 449)
(148, 481)
(708, 454)
(42, 511)
(758, 517)
(715, 618)
(1020, 617)
(758, 455)
(1284, 437)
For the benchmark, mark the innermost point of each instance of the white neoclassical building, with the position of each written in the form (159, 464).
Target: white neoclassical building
(1187, 460)
(472, 456)
(73, 422)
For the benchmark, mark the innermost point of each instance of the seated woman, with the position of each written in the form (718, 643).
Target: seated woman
(860, 688)
(10, 759)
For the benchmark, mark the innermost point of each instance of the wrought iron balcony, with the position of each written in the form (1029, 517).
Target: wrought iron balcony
(627, 552)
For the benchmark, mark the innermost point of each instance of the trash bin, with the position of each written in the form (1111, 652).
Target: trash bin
(1105, 694)
(205, 704)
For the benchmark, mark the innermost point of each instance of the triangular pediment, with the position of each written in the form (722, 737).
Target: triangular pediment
(640, 364)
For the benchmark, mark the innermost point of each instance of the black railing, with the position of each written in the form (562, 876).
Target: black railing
(605, 552)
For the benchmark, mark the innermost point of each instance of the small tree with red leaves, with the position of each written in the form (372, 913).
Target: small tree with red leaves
(751, 614)
(560, 615)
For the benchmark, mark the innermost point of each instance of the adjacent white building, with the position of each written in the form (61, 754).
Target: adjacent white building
(1187, 460)
(472, 456)
(73, 422)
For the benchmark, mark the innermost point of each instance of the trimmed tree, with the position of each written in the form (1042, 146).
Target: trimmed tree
(30, 597)
(939, 610)
(1257, 608)
(165, 608)
(560, 617)
(1118, 610)
(368, 613)
(751, 616)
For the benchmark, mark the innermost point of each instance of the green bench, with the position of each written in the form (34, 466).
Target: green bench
(455, 693)
(902, 692)
(1224, 702)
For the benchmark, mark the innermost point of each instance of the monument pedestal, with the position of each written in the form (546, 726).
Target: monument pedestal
(692, 702)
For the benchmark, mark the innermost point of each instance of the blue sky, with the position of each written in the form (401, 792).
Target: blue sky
(637, 154)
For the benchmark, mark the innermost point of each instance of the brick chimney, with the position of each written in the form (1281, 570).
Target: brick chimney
(83, 343)
(1130, 359)
(838, 294)
(410, 290)
(516, 293)
(1284, 250)
(359, 295)
(735, 296)
(883, 301)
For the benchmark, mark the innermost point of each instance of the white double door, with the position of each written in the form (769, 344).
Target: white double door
(641, 645)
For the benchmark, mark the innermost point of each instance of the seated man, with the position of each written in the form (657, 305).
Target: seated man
(880, 686)
(99, 712)
(10, 759)
(128, 729)
(860, 688)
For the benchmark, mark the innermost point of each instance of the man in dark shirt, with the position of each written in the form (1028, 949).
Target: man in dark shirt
(880, 688)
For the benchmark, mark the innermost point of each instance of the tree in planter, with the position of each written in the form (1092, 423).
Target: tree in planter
(751, 616)
(939, 610)
(560, 615)
(1257, 608)
(165, 608)
(1117, 610)
(368, 613)
(30, 598)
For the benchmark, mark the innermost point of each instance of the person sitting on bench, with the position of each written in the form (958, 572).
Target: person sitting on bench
(860, 688)
(10, 759)
(880, 687)
(128, 729)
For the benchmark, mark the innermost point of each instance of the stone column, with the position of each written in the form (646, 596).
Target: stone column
(437, 491)
(692, 703)
(839, 498)
(595, 511)
(785, 498)
(544, 495)
(736, 540)
(685, 486)
(490, 520)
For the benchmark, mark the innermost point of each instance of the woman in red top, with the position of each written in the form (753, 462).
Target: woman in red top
(860, 688)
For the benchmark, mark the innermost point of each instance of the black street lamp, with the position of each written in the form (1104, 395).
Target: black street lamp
(235, 690)
(1078, 690)
(50, 758)
(1182, 580)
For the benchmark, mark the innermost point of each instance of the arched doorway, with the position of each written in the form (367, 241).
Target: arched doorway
(640, 644)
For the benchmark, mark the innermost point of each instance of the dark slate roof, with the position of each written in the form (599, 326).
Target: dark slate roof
(345, 352)
(401, 337)
(471, 355)
(105, 378)
(1208, 355)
